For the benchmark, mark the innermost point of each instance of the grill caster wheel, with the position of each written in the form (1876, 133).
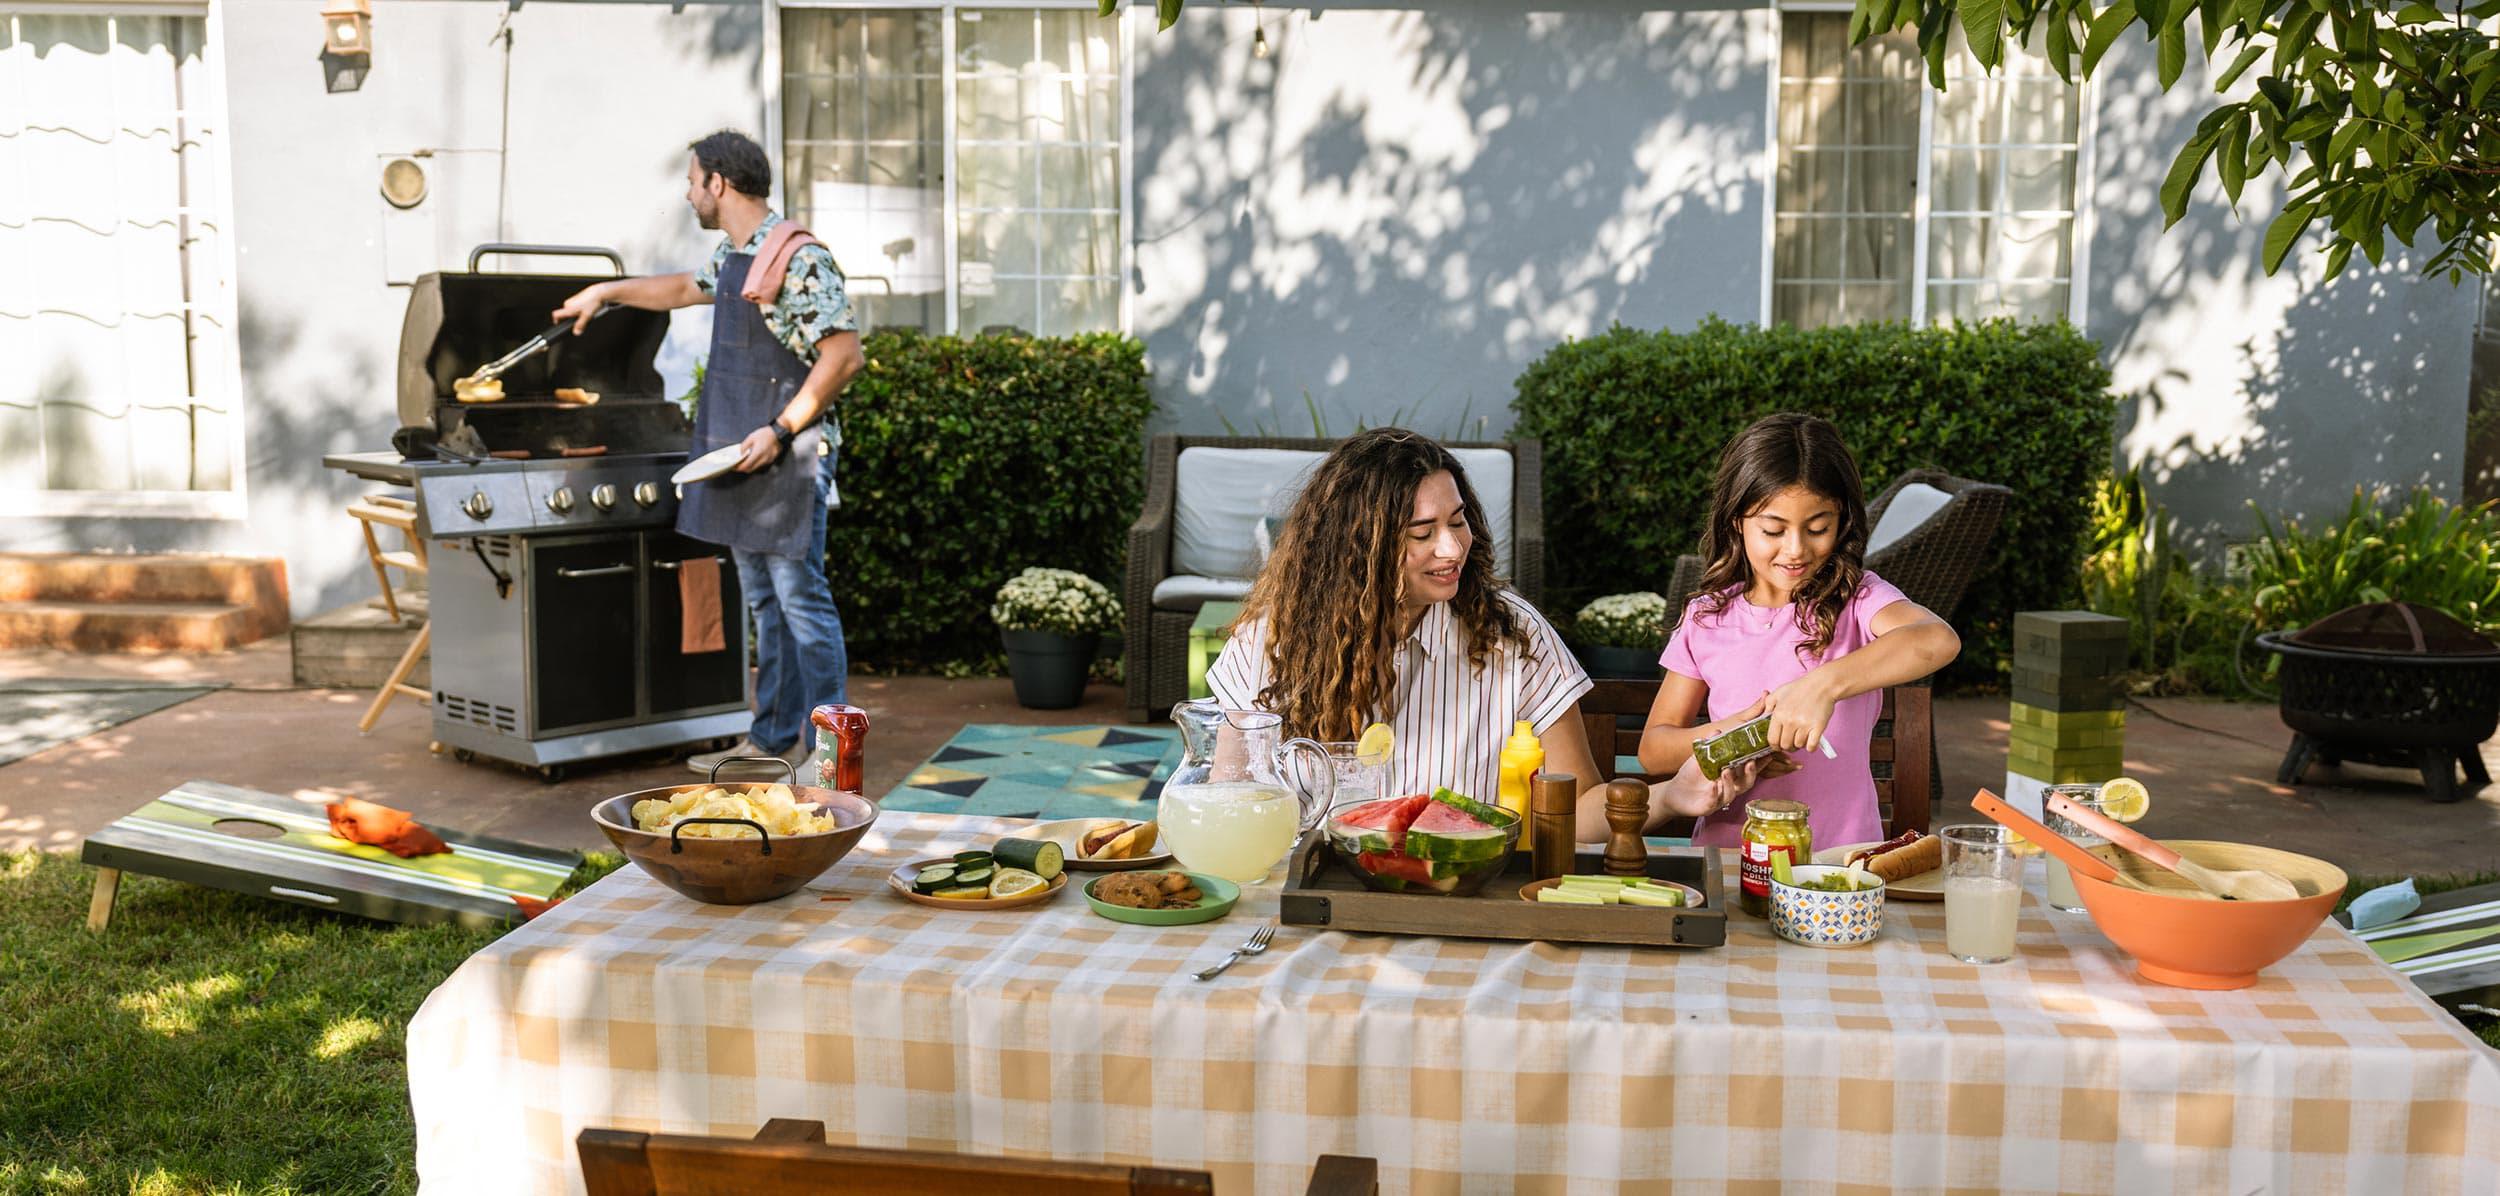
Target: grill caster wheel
(462, 755)
(550, 773)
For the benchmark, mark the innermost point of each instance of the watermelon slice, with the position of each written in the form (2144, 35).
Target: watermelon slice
(1389, 817)
(1395, 872)
(1456, 829)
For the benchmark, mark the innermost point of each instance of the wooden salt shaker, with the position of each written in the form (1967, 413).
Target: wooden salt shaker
(1553, 809)
(1627, 807)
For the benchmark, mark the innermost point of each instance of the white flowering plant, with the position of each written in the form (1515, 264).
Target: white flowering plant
(1622, 621)
(1055, 600)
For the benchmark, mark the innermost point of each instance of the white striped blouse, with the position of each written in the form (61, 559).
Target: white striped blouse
(1450, 718)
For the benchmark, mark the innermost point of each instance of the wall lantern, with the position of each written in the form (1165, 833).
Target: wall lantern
(347, 28)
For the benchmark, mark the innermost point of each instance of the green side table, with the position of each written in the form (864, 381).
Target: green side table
(1206, 639)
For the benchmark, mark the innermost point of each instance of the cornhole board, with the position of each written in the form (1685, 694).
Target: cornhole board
(2470, 964)
(244, 841)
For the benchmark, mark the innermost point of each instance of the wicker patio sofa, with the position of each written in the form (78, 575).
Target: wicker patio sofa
(1216, 560)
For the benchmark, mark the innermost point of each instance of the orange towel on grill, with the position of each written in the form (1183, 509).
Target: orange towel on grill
(374, 825)
(772, 262)
(698, 595)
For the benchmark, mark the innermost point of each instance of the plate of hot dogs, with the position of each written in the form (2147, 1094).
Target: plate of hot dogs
(1911, 865)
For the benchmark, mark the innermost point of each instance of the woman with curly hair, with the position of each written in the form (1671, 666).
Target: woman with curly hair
(1391, 612)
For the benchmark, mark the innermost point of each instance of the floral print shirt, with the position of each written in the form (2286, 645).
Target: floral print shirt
(814, 302)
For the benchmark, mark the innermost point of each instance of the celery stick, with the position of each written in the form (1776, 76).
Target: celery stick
(1637, 895)
(1559, 896)
(1603, 882)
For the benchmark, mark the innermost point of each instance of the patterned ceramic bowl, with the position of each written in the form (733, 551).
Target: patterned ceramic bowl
(1818, 918)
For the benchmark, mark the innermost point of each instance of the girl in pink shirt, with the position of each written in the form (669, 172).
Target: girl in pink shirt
(1788, 620)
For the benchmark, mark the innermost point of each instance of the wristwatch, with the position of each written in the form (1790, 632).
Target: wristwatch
(783, 434)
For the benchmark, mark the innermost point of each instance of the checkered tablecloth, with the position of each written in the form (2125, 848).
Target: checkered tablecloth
(1461, 1065)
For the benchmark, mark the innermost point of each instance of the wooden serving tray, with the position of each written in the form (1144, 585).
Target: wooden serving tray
(1319, 891)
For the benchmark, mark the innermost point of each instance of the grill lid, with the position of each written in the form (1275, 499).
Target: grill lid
(458, 321)
(2394, 629)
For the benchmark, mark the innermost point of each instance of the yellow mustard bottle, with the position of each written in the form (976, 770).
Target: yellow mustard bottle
(1523, 756)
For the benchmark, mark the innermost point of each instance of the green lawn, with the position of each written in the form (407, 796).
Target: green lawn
(207, 1042)
(216, 1043)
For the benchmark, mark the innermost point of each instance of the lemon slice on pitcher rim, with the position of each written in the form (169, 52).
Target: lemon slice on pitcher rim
(1015, 882)
(2125, 799)
(1375, 744)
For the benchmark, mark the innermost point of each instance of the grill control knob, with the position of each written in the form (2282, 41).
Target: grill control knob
(561, 502)
(603, 496)
(647, 493)
(477, 505)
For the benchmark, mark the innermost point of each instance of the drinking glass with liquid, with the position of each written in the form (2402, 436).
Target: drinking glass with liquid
(2062, 894)
(1983, 892)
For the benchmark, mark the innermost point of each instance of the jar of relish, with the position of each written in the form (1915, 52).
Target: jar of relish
(1773, 825)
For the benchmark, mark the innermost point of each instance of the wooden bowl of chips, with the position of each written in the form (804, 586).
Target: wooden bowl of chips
(735, 843)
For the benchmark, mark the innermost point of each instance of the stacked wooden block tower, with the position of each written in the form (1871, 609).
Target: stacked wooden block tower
(2069, 717)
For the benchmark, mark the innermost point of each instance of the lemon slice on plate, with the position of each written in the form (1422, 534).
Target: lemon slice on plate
(1374, 746)
(1015, 882)
(2125, 799)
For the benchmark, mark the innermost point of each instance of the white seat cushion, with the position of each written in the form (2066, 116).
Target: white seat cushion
(1913, 505)
(1219, 495)
(1189, 591)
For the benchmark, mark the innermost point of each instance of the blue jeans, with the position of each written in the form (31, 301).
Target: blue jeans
(801, 662)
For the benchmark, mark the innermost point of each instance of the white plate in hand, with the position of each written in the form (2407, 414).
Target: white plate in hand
(710, 465)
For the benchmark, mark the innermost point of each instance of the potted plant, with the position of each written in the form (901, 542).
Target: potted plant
(1051, 621)
(1620, 635)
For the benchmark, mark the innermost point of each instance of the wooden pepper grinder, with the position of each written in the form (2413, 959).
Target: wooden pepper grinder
(1627, 807)
(1553, 807)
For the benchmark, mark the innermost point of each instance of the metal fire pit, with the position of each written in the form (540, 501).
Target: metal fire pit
(2390, 683)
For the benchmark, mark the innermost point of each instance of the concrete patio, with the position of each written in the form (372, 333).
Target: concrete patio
(2210, 764)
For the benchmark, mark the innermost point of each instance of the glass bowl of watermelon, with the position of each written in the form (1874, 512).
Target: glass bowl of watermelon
(1437, 842)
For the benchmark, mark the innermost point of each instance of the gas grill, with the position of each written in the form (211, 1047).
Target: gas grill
(553, 576)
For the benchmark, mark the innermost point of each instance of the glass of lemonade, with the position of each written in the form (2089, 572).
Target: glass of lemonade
(1360, 778)
(2062, 894)
(1238, 830)
(1982, 892)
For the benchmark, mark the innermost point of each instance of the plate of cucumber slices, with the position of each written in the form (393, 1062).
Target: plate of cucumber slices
(1013, 874)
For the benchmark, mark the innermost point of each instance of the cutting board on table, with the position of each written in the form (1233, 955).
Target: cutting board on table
(246, 841)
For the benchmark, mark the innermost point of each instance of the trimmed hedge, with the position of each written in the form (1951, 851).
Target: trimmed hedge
(1633, 423)
(963, 461)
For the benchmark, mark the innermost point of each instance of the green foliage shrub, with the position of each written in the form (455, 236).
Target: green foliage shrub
(1633, 423)
(965, 460)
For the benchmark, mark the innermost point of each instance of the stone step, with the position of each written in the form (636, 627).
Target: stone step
(128, 626)
(178, 582)
(357, 646)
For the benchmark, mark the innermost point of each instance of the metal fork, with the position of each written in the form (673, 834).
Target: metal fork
(1258, 942)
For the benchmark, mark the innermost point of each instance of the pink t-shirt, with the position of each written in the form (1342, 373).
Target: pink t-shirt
(1746, 650)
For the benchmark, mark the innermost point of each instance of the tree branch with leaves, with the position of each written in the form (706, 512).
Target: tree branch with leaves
(2379, 116)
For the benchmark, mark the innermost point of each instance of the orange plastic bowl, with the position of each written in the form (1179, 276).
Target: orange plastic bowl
(2197, 942)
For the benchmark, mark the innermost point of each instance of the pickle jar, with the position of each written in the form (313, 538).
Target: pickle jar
(1773, 826)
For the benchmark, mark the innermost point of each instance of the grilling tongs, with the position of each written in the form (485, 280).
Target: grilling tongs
(483, 385)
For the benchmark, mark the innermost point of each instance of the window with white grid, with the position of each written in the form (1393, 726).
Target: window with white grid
(1031, 236)
(116, 308)
(1895, 201)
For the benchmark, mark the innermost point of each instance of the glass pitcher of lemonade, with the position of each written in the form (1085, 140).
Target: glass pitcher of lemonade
(1242, 795)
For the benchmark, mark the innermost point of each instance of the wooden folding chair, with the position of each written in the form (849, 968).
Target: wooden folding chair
(1900, 753)
(790, 1156)
(387, 511)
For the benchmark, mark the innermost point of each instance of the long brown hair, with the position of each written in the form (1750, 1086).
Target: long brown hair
(1330, 590)
(1775, 453)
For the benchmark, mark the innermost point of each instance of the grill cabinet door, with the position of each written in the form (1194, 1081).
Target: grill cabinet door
(683, 684)
(582, 631)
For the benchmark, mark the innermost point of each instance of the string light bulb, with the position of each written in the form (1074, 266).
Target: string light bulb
(1258, 42)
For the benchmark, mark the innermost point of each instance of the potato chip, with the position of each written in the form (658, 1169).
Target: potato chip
(774, 807)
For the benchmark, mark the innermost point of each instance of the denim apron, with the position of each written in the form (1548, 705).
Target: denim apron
(747, 382)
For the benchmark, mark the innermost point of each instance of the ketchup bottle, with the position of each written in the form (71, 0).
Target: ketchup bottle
(841, 741)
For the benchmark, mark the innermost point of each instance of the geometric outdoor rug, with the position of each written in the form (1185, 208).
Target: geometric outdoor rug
(37, 715)
(1010, 770)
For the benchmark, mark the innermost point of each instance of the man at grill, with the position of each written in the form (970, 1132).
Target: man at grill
(784, 344)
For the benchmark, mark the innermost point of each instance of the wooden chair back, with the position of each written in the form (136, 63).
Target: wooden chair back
(790, 1156)
(1901, 752)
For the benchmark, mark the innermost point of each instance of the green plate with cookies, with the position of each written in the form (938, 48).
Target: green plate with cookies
(1122, 897)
